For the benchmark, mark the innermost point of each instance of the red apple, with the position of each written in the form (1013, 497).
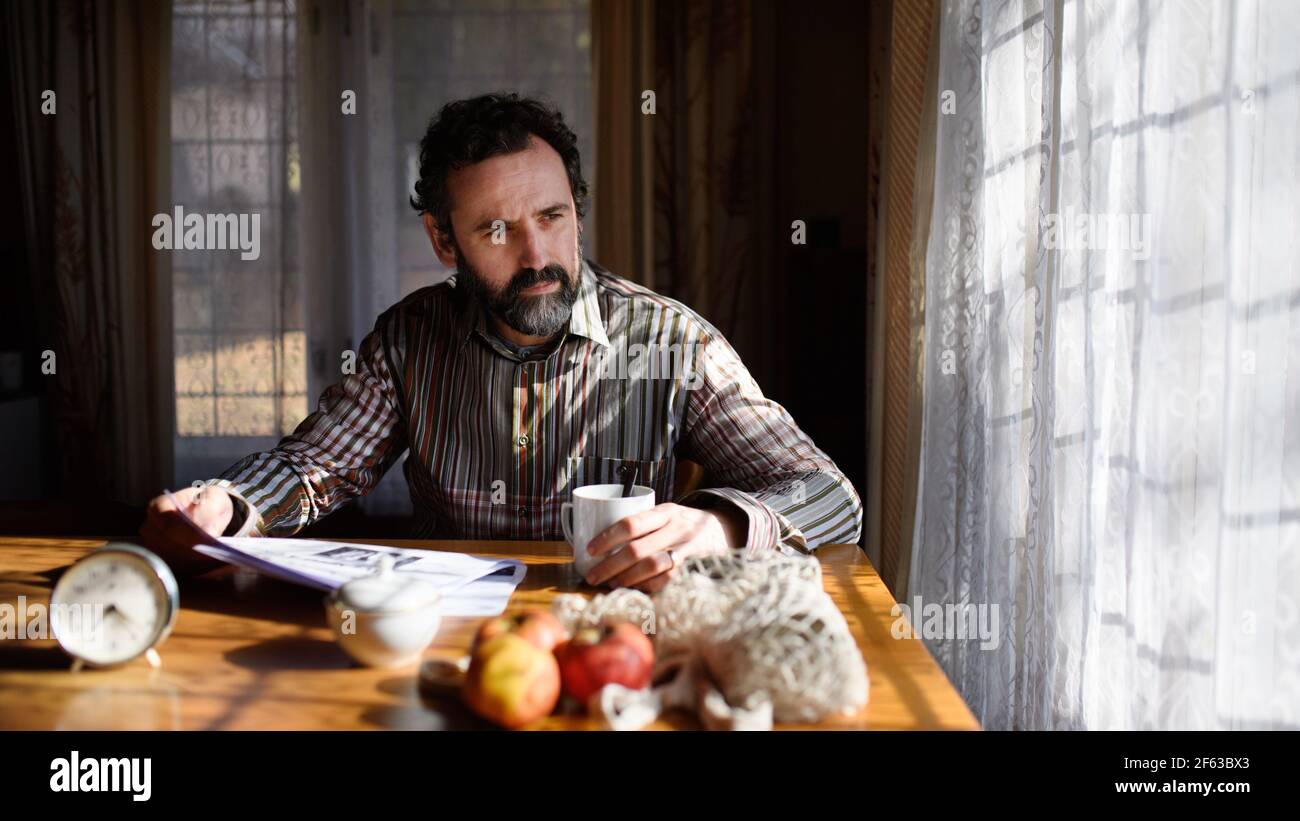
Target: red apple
(538, 627)
(594, 657)
(511, 681)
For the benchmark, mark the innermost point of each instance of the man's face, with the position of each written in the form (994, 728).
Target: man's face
(517, 239)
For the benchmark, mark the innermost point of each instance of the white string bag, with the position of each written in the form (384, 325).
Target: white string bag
(741, 643)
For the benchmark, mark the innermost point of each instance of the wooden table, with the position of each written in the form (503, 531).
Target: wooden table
(250, 652)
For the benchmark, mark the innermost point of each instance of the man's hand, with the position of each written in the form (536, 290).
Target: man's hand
(166, 532)
(634, 551)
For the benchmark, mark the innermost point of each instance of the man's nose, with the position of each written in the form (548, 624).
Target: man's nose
(532, 253)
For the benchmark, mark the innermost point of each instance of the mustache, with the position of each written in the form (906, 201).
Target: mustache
(529, 277)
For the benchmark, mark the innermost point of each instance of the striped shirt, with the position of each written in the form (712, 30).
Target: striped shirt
(497, 442)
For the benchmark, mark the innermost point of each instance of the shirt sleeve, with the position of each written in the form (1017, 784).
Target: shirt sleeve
(336, 454)
(761, 462)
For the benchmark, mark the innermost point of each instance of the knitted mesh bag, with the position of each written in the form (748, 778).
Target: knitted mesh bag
(739, 642)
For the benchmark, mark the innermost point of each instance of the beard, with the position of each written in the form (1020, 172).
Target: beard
(534, 315)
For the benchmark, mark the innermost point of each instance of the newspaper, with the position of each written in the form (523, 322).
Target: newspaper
(470, 585)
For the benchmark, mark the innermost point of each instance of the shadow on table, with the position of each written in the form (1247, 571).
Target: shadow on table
(231, 592)
(23, 655)
(290, 653)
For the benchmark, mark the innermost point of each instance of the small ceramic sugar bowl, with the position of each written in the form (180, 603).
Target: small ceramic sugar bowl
(385, 619)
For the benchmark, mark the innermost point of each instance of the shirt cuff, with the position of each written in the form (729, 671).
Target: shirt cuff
(245, 519)
(764, 523)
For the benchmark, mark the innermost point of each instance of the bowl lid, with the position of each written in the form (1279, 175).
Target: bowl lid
(387, 589)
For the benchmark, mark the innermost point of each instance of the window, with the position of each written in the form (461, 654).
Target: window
(238, 323)
(447, 50)
(252, 349)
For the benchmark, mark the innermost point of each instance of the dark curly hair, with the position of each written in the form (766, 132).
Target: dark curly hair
(469, 131)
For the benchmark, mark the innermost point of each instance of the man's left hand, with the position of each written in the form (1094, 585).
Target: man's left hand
(645, 549)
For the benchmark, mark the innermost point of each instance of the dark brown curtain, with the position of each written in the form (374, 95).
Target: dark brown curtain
(712, 200)
(623, 69)
(93, 173)
(759, 110)
(683, 199)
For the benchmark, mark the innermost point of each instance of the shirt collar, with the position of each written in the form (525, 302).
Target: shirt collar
(585, 320)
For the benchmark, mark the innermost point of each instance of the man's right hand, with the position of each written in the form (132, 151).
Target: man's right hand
(166, 532)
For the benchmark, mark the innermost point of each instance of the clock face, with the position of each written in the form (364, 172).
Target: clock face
(110, 607)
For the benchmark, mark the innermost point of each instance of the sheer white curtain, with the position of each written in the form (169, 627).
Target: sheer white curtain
(1111, 435)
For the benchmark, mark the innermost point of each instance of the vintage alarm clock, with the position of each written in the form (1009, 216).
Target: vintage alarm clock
(114, 605)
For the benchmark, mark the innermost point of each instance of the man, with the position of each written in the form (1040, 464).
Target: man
(531, 372)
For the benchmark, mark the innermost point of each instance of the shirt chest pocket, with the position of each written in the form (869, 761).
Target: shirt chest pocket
(591, 470)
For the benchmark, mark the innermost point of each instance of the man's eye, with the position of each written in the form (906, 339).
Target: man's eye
(552, 217)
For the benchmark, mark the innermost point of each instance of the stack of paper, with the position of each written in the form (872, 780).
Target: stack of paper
(471, 586)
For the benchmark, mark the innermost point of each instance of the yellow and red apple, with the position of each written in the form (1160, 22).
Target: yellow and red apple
(511, 681)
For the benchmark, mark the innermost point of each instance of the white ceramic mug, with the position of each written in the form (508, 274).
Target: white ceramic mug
(594, 508)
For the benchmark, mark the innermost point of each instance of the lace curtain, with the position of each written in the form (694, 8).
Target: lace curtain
(1111, 362)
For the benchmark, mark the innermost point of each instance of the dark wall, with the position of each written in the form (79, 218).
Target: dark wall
(821, 98)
